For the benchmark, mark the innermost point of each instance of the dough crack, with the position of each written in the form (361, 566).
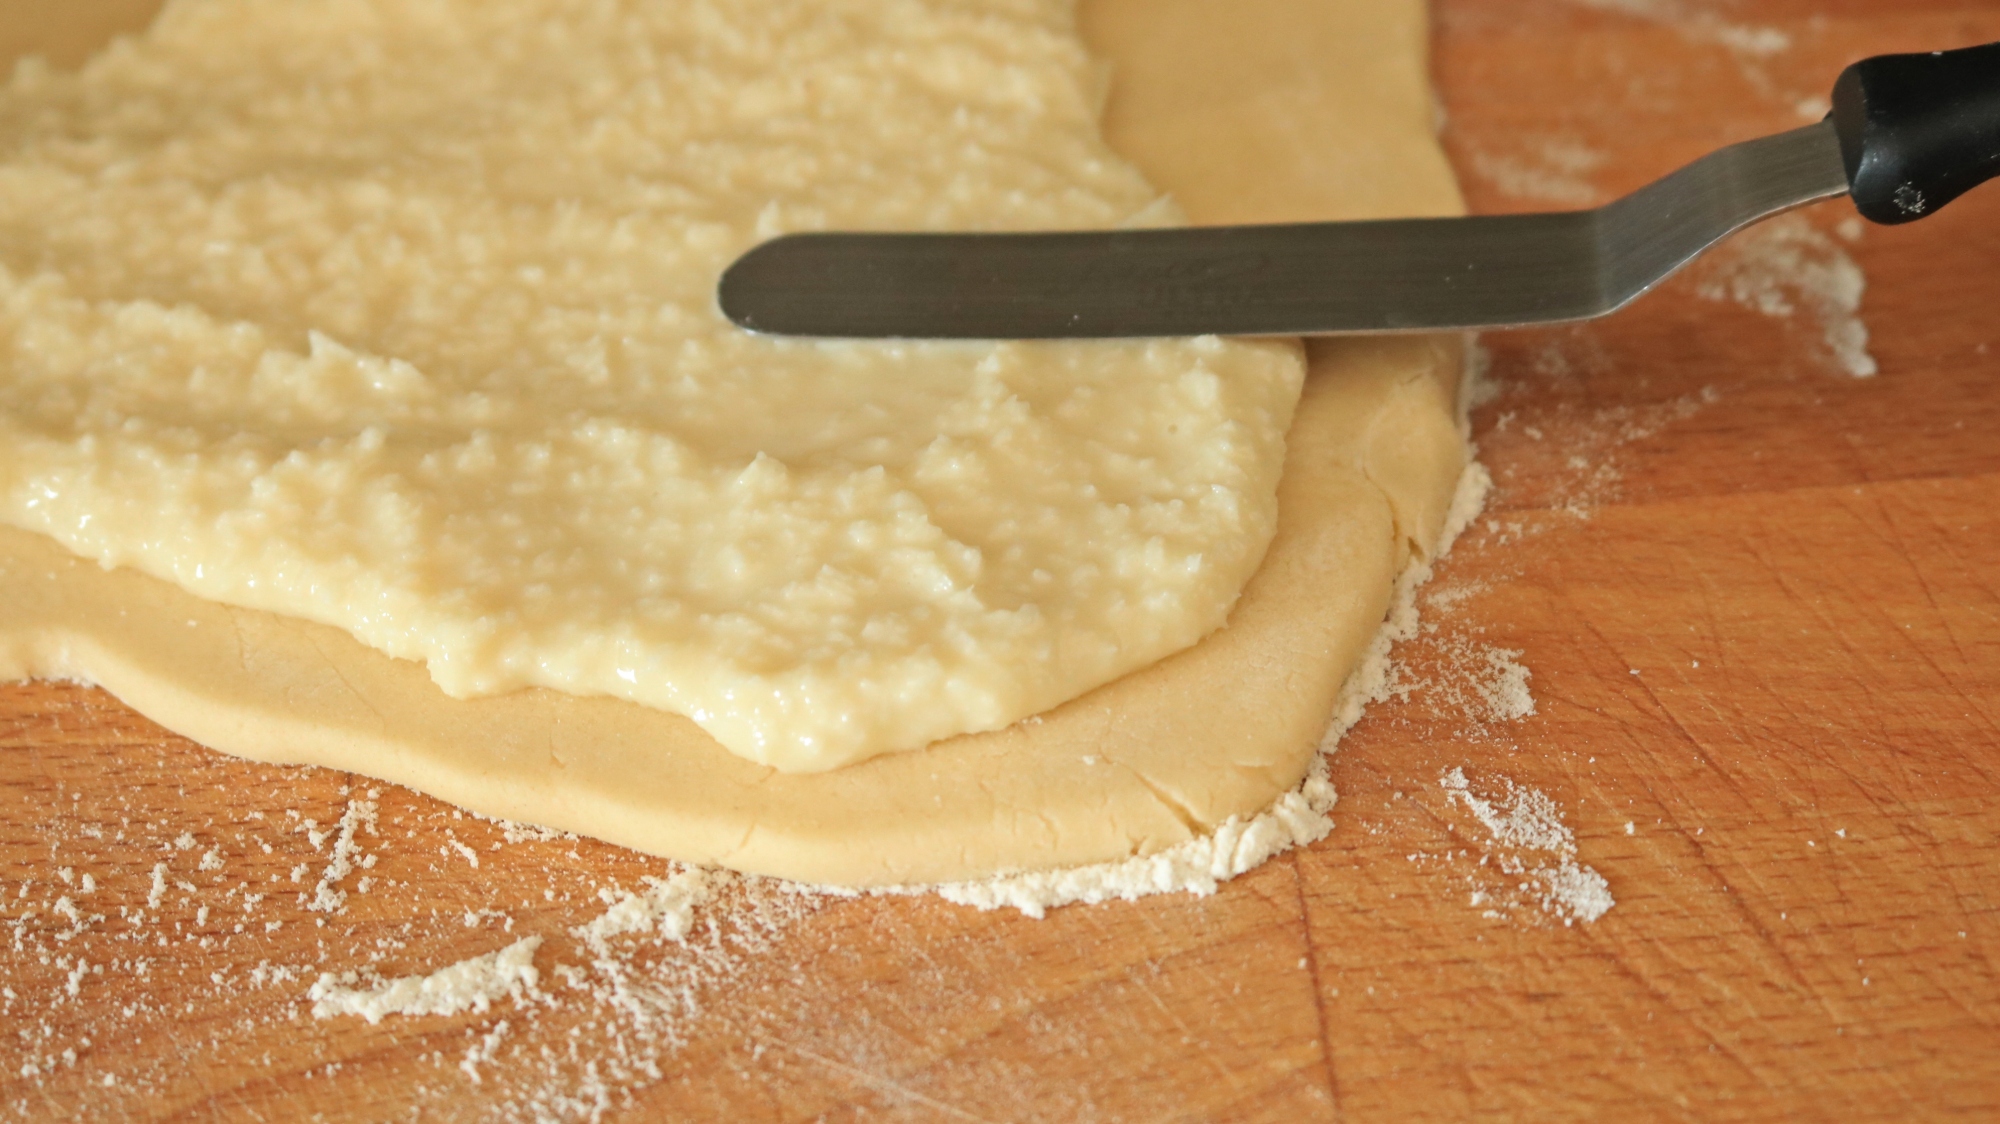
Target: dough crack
(1173, 804)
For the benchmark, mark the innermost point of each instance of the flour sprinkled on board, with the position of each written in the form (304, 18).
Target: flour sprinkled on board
(327, 897)
(666, 905)
(636, 1007)
(1552, 170)
(1700, 24)
(1567, 461)
(651, 962)
(1789, 266)
(1529, 858)
(1749, 46)
(141, 928)
(1480, 682)
(470, 985)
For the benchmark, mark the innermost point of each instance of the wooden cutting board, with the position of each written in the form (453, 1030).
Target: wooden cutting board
(1759, 599)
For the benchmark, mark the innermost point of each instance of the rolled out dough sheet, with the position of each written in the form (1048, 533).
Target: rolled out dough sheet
(1267, 110)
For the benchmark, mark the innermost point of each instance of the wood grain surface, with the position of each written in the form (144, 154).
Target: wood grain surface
(1757, 598)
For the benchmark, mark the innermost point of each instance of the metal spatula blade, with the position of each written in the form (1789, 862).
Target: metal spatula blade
(1908, 133)
(1305, 279)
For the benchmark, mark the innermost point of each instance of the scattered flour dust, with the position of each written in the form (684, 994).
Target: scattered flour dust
(1550, 170)
(653, 959)
(1786, 266)
(469, 985)
(327, 897)
(1587, 440)
(1745, 40)
(1749, 45)
(1481, 682)
(667, 905)
(1530, 853)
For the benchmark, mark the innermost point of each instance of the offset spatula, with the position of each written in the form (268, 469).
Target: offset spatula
(1908, 134)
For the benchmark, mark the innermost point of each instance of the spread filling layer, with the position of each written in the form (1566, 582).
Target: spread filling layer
(398, 315)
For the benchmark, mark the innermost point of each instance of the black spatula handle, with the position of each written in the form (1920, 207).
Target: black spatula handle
(1918, 131)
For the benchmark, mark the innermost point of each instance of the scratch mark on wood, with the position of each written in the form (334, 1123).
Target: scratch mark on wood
(882, 1084)
(1319, 996)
